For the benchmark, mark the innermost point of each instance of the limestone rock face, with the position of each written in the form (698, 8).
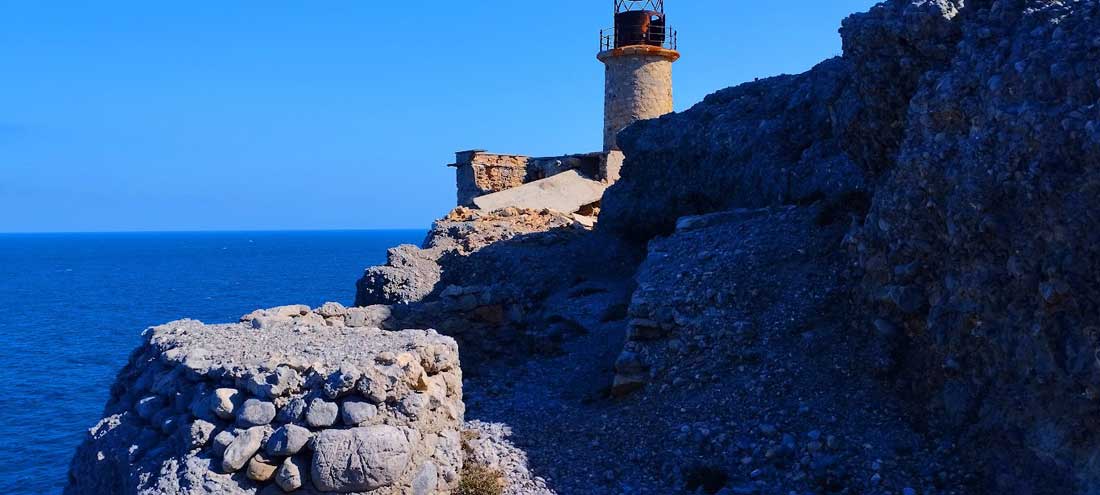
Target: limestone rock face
(769, 142)
(889, 49)
(412, 273)
(981, 249)
(970, 131)
(284, 438)
(513, 281)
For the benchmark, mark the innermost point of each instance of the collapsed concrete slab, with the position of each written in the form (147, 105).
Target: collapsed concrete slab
(566, 192)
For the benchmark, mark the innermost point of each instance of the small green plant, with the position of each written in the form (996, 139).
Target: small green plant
(480, 480)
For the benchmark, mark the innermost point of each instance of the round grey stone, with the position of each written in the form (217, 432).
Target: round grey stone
(355, 412)
(292, 412)
(287, 440)
(256, 412)
(321, 413)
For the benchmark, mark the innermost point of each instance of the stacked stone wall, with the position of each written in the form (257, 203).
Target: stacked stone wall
(480, 173)
(289, 400)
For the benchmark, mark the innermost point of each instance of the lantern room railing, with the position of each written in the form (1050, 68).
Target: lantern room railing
(630, 5)
(663, 37)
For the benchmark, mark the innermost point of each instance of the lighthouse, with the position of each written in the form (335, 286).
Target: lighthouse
(637, 54)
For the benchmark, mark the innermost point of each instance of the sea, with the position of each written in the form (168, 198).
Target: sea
(74, 307)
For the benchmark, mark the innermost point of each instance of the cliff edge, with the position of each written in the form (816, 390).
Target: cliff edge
(876, 277)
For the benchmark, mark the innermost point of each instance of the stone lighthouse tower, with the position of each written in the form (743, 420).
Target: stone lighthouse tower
(638, 54)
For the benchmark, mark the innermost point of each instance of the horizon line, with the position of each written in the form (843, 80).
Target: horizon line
(212, 231)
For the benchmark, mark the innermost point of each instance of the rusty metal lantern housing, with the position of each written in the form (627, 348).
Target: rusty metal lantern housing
(639, 22)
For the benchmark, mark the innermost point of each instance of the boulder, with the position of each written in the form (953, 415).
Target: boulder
(260, 468)
(361, 459)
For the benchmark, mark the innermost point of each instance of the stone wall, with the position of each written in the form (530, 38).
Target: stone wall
(479, 173)
(638, 86)
(289, 400)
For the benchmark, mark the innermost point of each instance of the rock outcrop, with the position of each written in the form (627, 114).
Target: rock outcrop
(739, 331)
(508, 282)
(970, 129)
(980, 246)
(282, 404)
(769, 142)
(412, 273)
(889, 50)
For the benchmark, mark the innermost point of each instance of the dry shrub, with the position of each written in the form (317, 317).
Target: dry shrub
(480, 480)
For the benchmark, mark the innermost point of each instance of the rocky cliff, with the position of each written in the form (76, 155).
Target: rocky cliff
(876, 277)
(980, 242)
(972, 128)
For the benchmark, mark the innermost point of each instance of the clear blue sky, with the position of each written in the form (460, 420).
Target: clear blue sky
(242, 115)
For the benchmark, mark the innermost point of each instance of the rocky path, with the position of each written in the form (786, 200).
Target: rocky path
(560, 415)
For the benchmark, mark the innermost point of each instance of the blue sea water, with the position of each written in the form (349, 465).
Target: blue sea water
(74, 306)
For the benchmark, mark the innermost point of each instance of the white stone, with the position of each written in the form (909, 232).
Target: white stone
(566, 192)
(225, 402)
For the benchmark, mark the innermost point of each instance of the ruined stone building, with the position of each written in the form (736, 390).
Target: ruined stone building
(637, 54)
